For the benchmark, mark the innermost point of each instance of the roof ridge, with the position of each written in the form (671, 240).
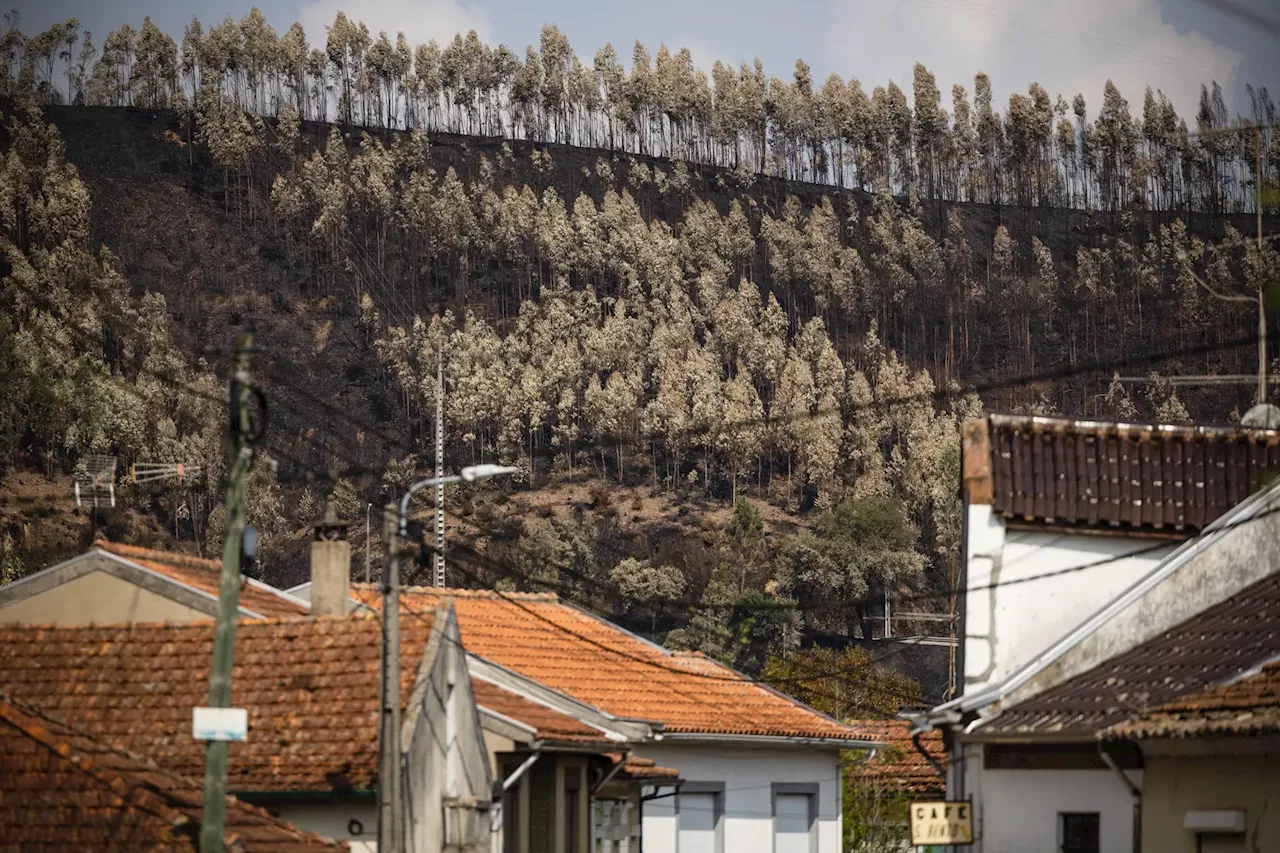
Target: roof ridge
(1096, 426)
(456, 592)
(197, 624)
(123, 549)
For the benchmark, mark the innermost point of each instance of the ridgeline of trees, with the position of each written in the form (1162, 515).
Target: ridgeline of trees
(1043, 150)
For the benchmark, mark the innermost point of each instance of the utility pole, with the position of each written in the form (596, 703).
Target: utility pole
(439, 580)
(390, 807)
(1262, 290)
(239, 454)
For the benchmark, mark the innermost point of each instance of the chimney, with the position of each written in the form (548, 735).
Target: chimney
(330, 564)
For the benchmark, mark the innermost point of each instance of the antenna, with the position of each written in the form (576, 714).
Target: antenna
(152, 472)
(97, 486)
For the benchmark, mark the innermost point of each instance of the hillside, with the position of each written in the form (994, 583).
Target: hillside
(648, 340)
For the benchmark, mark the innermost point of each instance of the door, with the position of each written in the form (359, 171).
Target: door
(697, 823)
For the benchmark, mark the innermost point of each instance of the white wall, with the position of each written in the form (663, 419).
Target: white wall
(748, 775)
(1016, 811)
(1010, 619)
(331, 820)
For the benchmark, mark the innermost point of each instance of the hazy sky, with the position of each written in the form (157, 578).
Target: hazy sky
(1068, 46)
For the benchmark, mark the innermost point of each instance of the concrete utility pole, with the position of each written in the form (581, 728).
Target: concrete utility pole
(239, 454)
(390, 806)
(438, 579)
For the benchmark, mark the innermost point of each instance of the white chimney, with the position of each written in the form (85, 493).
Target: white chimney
(330, 565)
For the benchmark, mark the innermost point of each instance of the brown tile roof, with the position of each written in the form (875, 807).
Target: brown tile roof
(310, 685)
(550, 724)
(640, 769)
(61, 790)
(1115, 475)
(205, 576)
(595, 661)
(899, 766)
(1211, 647)
(1248, 706)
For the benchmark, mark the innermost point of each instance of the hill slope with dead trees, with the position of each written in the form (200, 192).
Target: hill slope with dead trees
(727, 332)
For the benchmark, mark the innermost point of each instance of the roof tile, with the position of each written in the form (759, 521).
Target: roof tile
(550, 724)
(311, 686)
(1121, 476)
(1214, 646)
(206, 576)
(1248, 706)
(61, 790)
(595, 661)
(900, 766)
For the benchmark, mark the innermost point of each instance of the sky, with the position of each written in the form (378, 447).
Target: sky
(1068, 46)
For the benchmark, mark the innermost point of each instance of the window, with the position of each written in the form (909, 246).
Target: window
(1079, 832)
(794, 813)
(699, 808)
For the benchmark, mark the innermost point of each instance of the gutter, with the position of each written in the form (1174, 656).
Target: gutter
(933, 762)
(1134, 790)
(773, 740)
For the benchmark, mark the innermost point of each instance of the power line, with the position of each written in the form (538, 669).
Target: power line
(1246, 14)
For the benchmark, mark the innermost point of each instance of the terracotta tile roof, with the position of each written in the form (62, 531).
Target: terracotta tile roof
(899, 766)
(595, 661)
(550, 724)
(1115, 475)
(1248, 706)
(639, 769)
(61, 790)
(1216, 645)
(311, 687)
(205, 575)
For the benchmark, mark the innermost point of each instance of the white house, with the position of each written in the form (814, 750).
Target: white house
(758, 771)
(1084, 540)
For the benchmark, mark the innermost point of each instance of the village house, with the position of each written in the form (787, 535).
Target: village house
(113, 583)
(758, 771)
(1082, 757)
(579, 748)
(1211, 766)
(1083, 541)
(62, 790)
(311, 688)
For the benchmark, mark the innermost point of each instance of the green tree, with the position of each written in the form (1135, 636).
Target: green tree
(845, 684)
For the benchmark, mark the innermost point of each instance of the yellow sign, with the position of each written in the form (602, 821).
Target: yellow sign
(941, 822)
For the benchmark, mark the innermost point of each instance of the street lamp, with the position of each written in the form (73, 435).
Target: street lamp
(468, 475)
(390, 806)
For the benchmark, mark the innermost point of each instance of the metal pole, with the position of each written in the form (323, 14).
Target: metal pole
(1262, 290)
(367, 541)
(439, 579)
(224, 639)
(390, 824)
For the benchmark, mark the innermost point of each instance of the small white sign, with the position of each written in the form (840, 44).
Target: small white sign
(219, 723)
(945, 822)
